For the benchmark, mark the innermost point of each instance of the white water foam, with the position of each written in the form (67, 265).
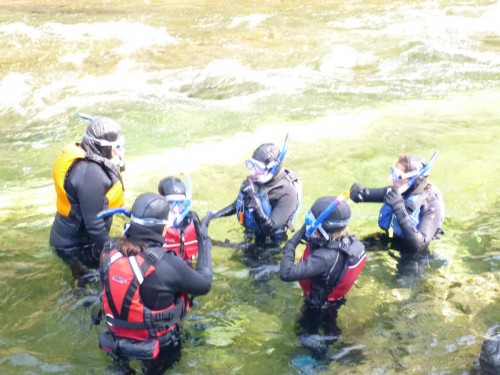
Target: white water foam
(251, 20)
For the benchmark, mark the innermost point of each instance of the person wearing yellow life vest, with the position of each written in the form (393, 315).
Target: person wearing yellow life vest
(146, 288)
(87, 178)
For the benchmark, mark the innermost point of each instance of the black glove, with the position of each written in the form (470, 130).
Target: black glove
(202, 228)
(226, 211)
(299, 236)
(206, 220)
(394, 199)
(248, 188)
(358, 192)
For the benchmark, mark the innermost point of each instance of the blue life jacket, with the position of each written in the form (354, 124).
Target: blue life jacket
(413, 203)
(248, 219)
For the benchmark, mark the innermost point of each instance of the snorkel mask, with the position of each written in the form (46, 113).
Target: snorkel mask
(261, 172)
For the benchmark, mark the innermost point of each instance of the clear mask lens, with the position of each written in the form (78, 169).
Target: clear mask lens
(255, 167)
(177, 203)
(396, 174)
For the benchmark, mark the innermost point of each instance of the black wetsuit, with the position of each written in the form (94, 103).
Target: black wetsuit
(81, 236)
(171, 278)
(324, 267)
(283, 199)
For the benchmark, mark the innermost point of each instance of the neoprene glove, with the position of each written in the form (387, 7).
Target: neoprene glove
(202, 228)
(358, 192)
(297, 237)
(248, 188)
(394, 199)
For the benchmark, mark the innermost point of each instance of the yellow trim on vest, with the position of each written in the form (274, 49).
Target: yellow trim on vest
(115, 195)
(65, 160)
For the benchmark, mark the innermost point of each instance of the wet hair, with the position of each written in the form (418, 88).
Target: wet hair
(405, 161)
(338, 234)
(412, 163)
(129, 247)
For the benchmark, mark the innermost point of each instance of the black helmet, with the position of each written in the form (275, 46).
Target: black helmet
(171, 185)
(337, 219)
(101, 129)
(150, 210)
(267, 153)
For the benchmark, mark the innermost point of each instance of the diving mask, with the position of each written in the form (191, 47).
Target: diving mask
(396, 174)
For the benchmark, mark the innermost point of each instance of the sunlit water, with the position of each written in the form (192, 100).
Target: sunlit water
(197, 85)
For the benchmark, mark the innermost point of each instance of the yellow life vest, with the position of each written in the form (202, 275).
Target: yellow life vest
(64, 162)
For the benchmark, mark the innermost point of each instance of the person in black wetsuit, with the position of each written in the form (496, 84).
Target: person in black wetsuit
(268, 200)
(415, 215)
(411, 217)
(327, 270)
(87, 178)
(146, 288)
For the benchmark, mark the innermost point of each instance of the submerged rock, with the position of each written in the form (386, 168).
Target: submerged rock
(489, 358)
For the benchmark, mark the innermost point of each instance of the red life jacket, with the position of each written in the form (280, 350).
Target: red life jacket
(125, 313)
(183, 242)
(352, 269)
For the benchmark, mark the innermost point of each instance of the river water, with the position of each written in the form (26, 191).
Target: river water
(197, 85)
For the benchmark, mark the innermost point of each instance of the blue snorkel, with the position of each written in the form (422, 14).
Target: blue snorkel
(328, 210)
(423, 171)
(85, 116)
(113, 211)
(281, 155)
(187, 206)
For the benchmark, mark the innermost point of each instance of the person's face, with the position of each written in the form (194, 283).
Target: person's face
(398, 175)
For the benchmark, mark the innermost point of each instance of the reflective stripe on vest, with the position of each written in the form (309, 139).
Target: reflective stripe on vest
(185, 242)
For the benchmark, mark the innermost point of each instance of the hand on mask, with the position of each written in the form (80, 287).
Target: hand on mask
(394, 199)
(248, 188)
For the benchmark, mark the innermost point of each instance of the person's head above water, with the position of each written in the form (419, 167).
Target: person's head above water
(104, 137)
(150, 210)
(335, 221)
(407, 167)
(174, 191)
(264, 163)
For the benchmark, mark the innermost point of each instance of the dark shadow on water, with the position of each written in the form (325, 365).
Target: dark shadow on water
(259, 256)
(319, 333)
(410, 267)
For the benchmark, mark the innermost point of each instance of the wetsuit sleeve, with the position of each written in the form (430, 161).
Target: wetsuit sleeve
(91, 184)
(195, 282)
(360, 193)
(204, 262)
(418, 239)
(282, 211)
(226, 211)
(311, 267)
